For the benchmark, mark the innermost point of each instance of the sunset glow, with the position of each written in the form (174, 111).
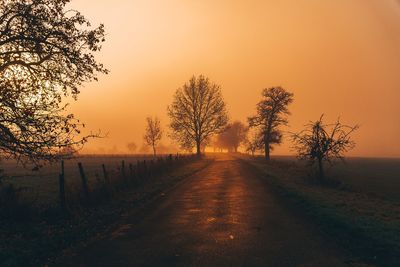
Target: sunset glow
(199, 133)
(338, 58)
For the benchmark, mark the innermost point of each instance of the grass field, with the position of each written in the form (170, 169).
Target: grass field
(34, 239)
(362, 213)
(41, 187)
(378, 176)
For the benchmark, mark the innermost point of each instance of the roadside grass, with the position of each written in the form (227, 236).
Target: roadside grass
(366, 225)
(38, 239)
(374, 176)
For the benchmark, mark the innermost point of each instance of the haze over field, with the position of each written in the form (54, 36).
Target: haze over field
(304, 83)
(340, 58)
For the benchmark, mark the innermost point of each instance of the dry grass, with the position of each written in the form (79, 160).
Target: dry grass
(32, 241)
(348, 197)
(40, 188)
(368, 224)
(373, 176)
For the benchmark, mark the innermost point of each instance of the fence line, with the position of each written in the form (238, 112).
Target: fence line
(138, 174)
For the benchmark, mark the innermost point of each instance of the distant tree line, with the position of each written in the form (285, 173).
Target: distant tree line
(234, 135)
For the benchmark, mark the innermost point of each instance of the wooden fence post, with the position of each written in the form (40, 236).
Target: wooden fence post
(138, 171)
(123, 170)
(107, 182)
(84, 181)
(105, 174)
(62, 187)
(131, 171)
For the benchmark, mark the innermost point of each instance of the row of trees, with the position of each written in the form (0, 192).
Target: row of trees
(197, 113)
(198, 117)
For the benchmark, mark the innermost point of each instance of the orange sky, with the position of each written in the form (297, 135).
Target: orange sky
(339, 57)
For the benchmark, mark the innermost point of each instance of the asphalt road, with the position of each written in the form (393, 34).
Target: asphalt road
(225, 215)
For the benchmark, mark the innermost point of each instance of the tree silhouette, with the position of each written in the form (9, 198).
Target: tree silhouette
(272, 113)
(197, 112)
(320, 142)
(221, 141)
(153, 133)
(234, 135)
(238, 134)
(132, 147)
(254, 142)
(46, 54)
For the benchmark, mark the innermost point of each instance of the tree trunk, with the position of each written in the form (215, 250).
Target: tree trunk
(267, 157)
(267, 137)
(321, 169)
(198, 148)
(154, 150)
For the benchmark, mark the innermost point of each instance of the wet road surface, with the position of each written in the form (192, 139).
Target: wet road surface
(225, 215)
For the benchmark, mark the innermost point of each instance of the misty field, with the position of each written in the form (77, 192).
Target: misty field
(376, 176)
(357, 205)
(41, 187)
(36, 228)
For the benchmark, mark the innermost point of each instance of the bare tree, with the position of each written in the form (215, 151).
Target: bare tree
(197, 112)
(46, 53)
(321, 142)
(153, 133)
(272, 113)
(132, 147)
(254, 142)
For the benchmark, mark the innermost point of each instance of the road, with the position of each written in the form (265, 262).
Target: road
(225, 215)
